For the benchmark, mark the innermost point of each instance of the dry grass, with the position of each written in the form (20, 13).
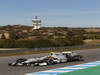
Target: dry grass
(92, 42)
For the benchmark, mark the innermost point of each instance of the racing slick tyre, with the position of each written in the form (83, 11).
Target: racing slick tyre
(50, 62)
(78, 58)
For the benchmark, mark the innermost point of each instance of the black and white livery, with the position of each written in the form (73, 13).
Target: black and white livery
(52, 58)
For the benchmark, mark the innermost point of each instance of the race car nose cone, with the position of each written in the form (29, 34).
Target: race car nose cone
(11, 64)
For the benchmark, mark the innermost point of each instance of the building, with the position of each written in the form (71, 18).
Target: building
(7, 35)
(36, 23)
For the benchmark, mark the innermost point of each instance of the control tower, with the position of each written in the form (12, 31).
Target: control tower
(36, 23)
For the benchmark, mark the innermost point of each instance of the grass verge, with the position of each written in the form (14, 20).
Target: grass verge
(88, 71)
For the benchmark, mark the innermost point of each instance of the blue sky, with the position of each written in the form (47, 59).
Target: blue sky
(67, 13)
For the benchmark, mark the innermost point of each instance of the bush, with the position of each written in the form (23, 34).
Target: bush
(77, 40)
(33, 43)
(8, 43)
(24, 44)
(61, 42)
(42, 43)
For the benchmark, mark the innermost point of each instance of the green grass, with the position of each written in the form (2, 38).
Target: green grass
(88, 71)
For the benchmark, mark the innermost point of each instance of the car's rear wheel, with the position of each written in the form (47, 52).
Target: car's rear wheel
(49, 62)
(78, 58)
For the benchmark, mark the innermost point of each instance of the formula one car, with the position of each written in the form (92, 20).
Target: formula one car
(52, 58)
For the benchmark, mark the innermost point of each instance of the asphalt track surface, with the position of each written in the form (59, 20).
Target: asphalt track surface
(89, 56)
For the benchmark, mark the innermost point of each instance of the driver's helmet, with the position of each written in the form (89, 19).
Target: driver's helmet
(52, 53)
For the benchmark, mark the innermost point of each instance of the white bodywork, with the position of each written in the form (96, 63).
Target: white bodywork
(52, 58)
(60, 57)
(34, 59)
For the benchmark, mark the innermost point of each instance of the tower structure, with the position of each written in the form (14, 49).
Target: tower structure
(36, 23)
